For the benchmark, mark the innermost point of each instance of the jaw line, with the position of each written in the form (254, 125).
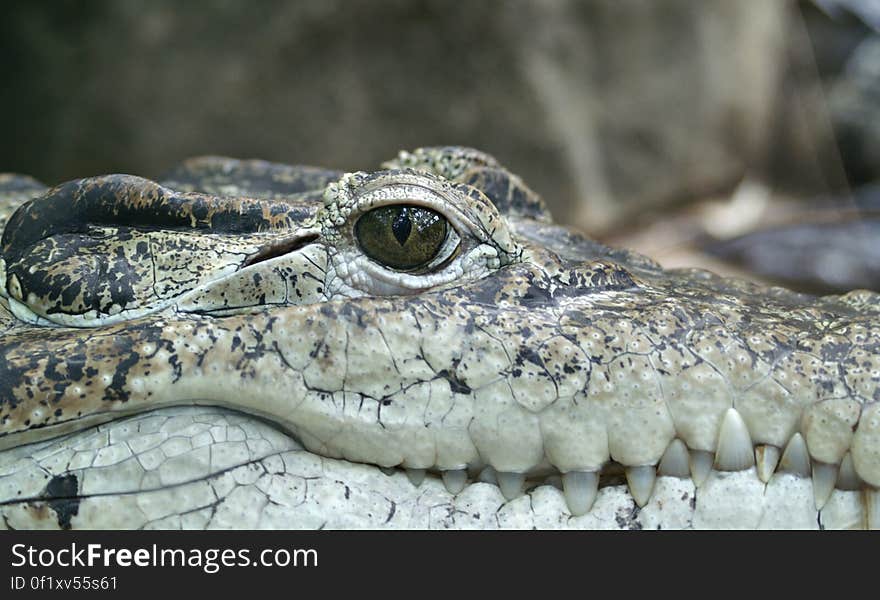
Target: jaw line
(250, 474)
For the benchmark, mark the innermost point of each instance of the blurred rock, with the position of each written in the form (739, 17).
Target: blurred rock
(825, 257)
(605, 107)
(854, 101)
(823, 114)
(827, 246)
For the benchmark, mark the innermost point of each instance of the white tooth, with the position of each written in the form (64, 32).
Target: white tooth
(847, 478)
(824, 478)
(734, 452)
(511, 484)
(388, 470)
(796, 459)
(675, 460)
(872, 508)
(416, 476)
(701, 464)
(581, 488)
(455, 480)
(641, 482)
(488, 475)
(766, 459)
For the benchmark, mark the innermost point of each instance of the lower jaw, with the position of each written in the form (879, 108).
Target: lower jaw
(200, 467)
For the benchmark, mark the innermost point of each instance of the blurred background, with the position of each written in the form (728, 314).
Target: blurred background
(740, 135)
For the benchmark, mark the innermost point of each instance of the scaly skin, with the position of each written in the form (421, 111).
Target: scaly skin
(533, 350)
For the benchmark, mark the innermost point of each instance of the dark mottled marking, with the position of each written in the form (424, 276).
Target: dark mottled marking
(61, 494)
(508, 193)
(455, 384)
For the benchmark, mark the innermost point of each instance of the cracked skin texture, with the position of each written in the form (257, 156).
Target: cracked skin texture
(239, 285)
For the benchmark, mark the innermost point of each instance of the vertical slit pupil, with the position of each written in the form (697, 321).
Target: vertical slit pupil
(402, 226)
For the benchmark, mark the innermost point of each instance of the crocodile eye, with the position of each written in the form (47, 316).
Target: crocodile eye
(402, 237)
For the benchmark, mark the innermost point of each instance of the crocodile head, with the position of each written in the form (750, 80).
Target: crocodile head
(254, 344)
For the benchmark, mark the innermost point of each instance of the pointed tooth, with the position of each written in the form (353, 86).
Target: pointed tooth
(641, 482)
(511, 484)
(701, 465)
(675, 460)
(389, 471)
(580, 488)
(734, 452)
(766, 459)
(872, 508)
(454, 480)
(824, 478)
(796, 459)
(416, 476)
(847, 478)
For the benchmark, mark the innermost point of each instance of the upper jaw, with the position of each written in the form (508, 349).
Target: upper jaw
(550, 368)
(203, 467)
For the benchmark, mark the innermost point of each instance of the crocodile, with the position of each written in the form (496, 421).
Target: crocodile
(252, 344)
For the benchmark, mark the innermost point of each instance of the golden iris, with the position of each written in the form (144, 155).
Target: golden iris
(401, 236)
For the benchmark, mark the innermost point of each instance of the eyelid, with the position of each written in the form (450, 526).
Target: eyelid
(423, 197)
